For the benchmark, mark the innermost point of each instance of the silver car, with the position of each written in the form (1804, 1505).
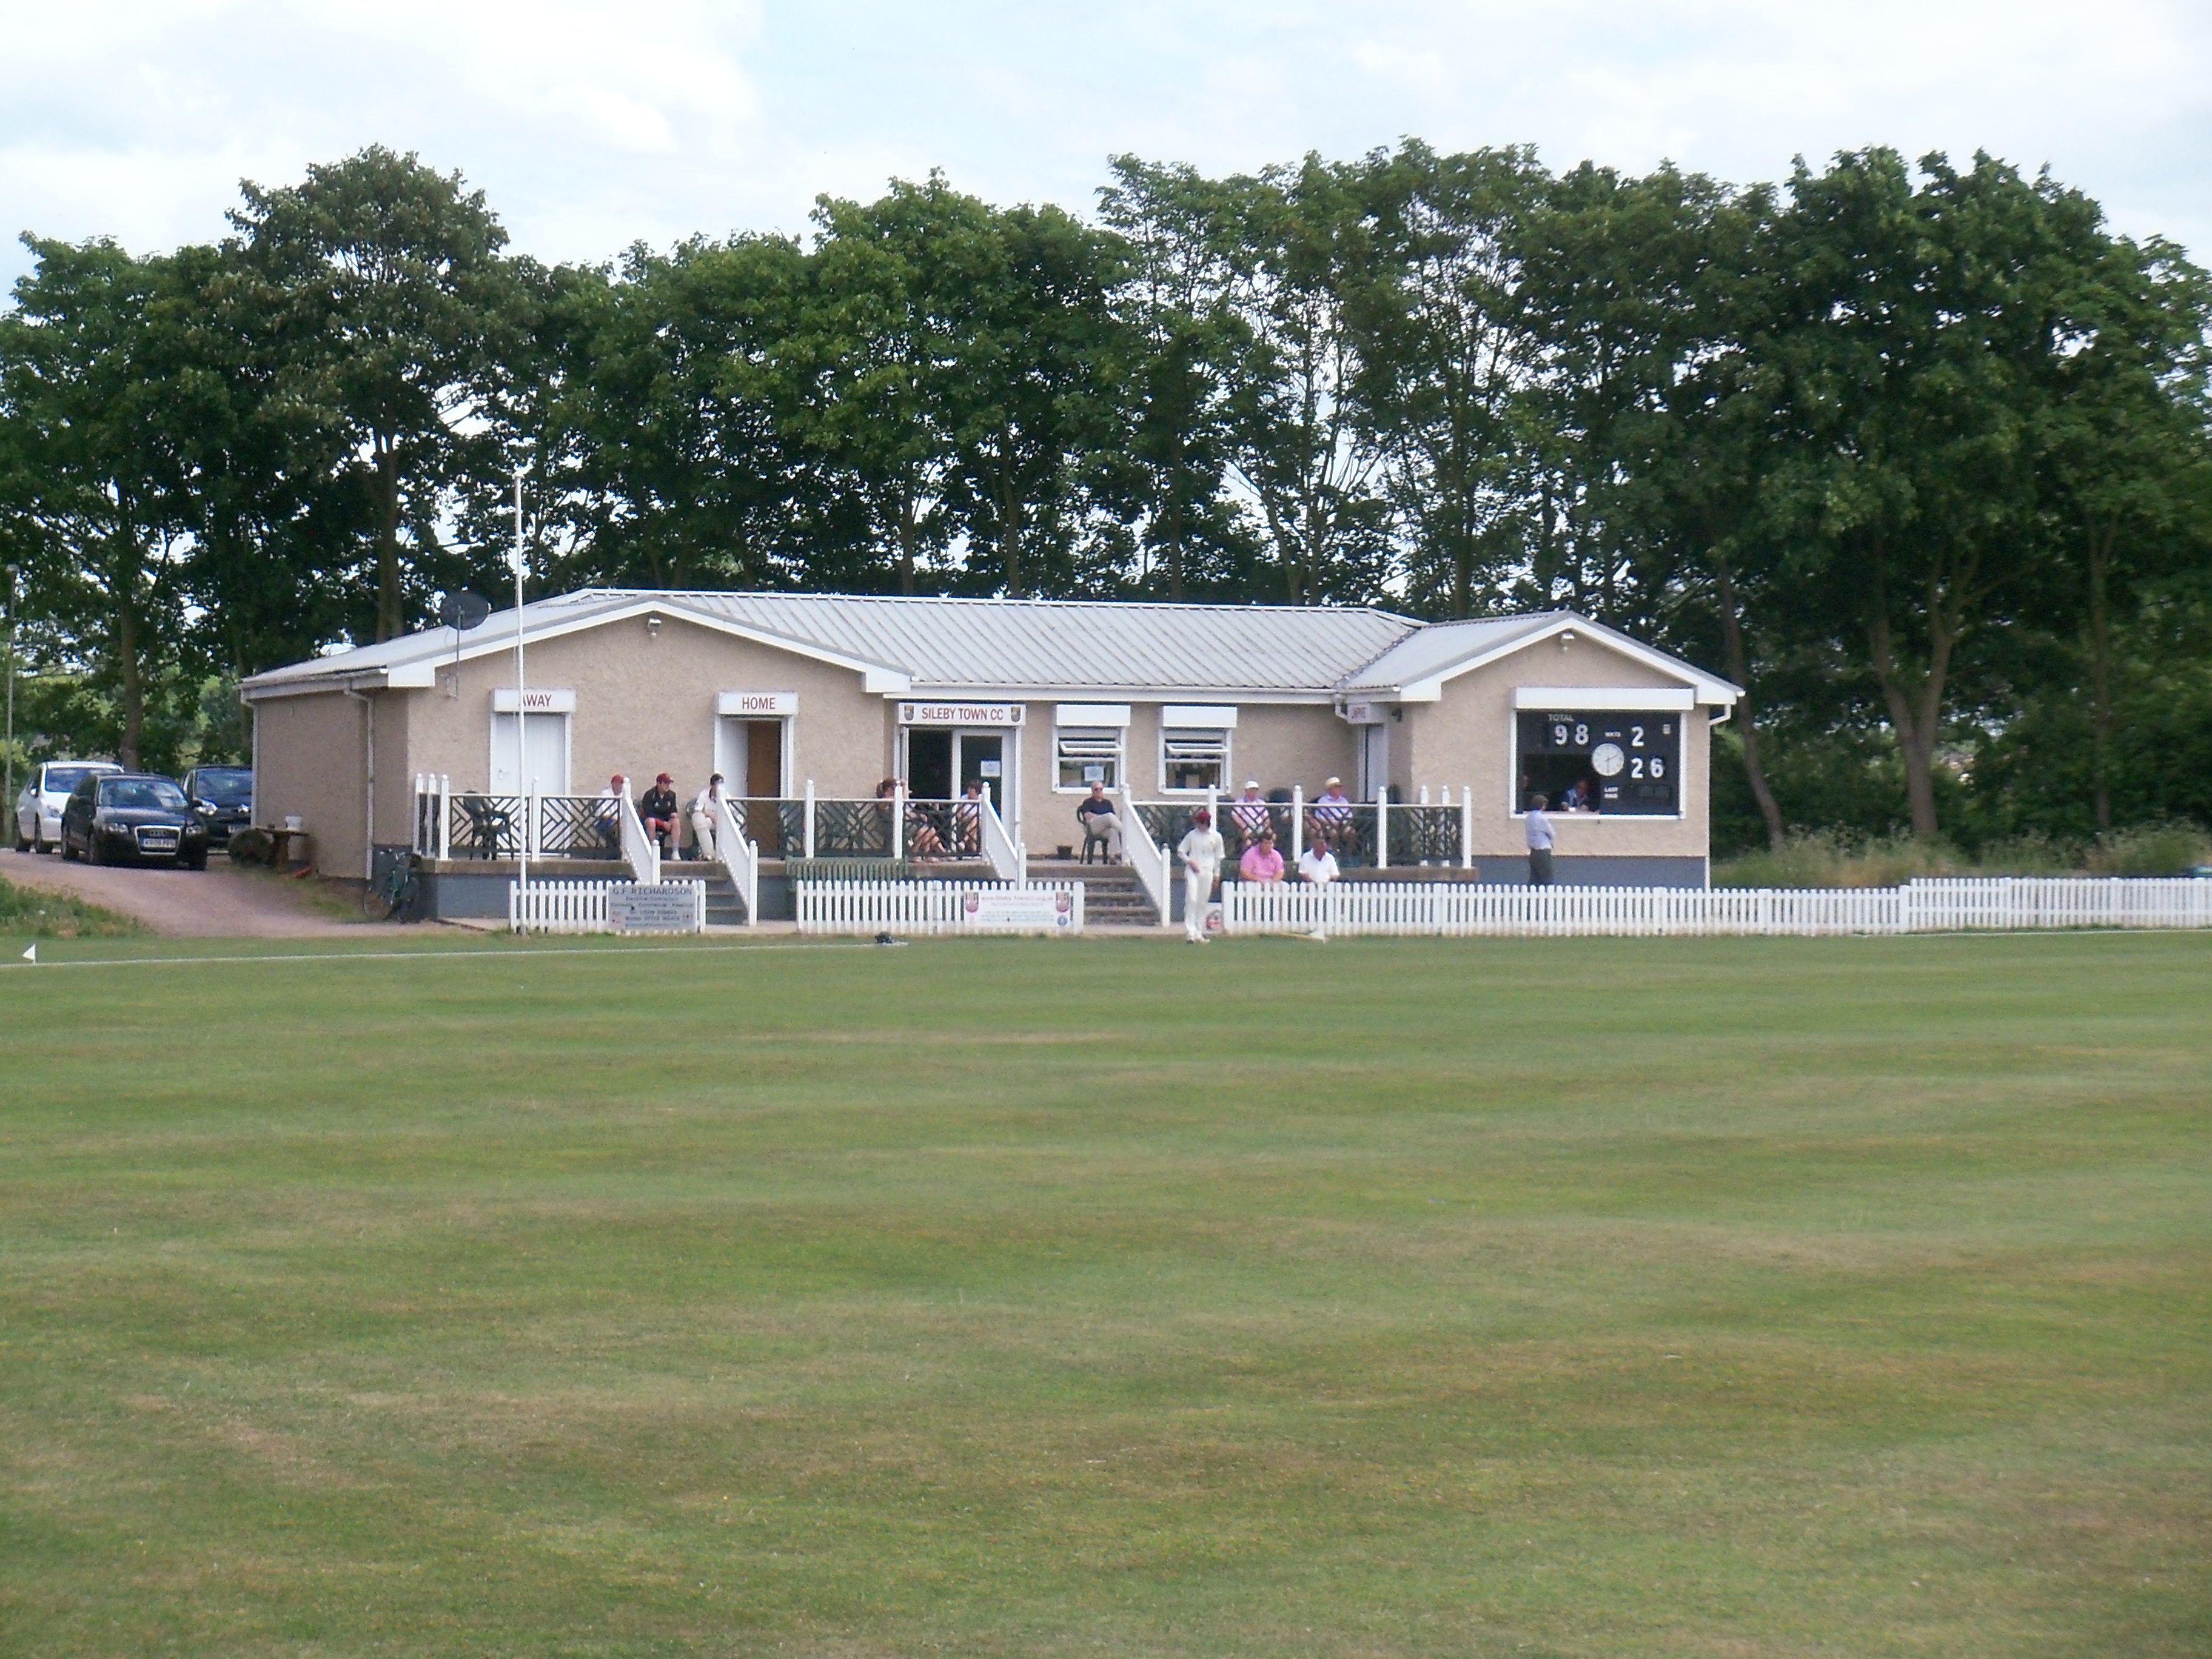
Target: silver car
(39, 808)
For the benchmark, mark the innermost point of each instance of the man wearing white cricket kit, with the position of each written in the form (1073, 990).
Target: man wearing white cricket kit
(702, 817)
(1202, 852)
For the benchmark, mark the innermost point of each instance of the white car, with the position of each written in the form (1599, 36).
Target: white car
(39, 808)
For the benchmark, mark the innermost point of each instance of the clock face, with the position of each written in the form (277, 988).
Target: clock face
(1606, 760)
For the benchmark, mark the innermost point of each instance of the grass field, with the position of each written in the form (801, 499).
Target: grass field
(1518, 1298)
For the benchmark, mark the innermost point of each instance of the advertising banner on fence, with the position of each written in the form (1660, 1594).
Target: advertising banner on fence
(670, 907)
(1020, 910)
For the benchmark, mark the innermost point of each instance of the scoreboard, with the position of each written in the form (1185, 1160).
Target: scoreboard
(1633, 756)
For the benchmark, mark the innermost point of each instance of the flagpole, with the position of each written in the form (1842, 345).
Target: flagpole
(521, 701)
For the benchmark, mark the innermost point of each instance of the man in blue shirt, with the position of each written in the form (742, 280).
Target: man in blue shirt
(1539, 843)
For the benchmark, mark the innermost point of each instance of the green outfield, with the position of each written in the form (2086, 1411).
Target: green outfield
(1595, 1297)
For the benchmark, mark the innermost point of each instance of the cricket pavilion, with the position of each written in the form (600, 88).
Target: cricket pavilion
(946, 735)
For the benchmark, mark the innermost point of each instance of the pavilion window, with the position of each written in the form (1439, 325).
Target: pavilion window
(1085, 754)
(1194, 760)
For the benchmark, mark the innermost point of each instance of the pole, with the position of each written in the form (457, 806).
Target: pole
(8, 791)
(521, 701)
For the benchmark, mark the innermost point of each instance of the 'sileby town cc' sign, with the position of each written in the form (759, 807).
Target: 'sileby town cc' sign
(960, 714)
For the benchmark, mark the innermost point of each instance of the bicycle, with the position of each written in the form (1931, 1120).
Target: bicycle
(391, 896)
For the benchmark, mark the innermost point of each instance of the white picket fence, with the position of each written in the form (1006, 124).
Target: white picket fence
(916, 907)
(1451, 907)
(2018, 902)
(581, 907)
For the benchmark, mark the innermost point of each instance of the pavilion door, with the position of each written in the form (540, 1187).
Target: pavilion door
(1374, 760)
(544, 759)
(983, 759)
(749, 754)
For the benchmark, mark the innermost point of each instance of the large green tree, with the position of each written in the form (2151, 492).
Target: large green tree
(1921, 329)
(663, 419)
(91, 436)
(393, 311)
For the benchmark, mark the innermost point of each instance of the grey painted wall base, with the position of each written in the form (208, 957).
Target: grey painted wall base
(463, 895)
(1602, 872)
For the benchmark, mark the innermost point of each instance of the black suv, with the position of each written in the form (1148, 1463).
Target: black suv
(132, 817)
(223, 797)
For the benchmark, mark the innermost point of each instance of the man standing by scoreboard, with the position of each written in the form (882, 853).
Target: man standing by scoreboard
(1540, 839)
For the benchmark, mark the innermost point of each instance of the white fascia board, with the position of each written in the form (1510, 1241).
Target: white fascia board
(424, 673)
(1199, 717)
(367, 679)
(1720, 693)
(1606, 698)
(1247, 697)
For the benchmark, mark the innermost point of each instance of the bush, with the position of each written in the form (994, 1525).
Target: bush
(1825, 858)
(2150, 849)
(27, 912)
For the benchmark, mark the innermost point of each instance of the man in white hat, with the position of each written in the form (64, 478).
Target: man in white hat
(1331, 814)
(1201, 852)
(1247, 814)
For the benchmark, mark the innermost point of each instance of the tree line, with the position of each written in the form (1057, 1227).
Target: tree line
(1918, 453)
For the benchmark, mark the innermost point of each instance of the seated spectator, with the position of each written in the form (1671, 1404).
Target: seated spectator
(922, 839)
(703, 807)
(968, 819)
(1098, 816)
(609, 815)
(1261, 862)
(1247, 813)
(1317, 868)
(657, 810)
(1332, 814)
(1317, 865)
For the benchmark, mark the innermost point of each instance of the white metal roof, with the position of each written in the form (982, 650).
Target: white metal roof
(1009, 648)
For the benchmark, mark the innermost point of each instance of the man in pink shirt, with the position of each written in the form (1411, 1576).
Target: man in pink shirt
(1261, 862)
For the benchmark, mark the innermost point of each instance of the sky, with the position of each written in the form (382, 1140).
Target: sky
(594, 126)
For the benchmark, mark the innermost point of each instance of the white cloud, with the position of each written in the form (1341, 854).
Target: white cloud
(592, 125)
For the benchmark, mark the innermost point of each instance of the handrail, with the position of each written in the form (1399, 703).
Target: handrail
(638, 847)
(1147, 862)
(740, 857)
(1008, 861)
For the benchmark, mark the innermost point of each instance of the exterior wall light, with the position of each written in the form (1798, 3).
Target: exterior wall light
(652, 626)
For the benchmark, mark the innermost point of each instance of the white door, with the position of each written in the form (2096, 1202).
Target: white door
(545, 764)
(732, 752)
(1374, 760)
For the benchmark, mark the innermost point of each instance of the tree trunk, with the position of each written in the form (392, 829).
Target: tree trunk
(131, 687)
(906, 538)
(2101, 540)
(1174, 546)
(1917, 719)
(1010, 537)
(1747, 710)
(390, 614)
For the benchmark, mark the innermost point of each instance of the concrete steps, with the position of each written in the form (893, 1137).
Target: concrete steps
(1112, 896)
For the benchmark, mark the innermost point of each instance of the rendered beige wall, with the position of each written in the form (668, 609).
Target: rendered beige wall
(312, 764)
(1282, 744)
(1467, 739)
(646, 705)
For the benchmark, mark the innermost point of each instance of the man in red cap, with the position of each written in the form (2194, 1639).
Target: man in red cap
(1201, 851)
(658, 814)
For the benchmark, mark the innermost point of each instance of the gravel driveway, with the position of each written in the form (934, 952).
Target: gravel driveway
(217, 903)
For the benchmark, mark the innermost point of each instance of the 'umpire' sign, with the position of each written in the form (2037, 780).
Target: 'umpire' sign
(671, 908)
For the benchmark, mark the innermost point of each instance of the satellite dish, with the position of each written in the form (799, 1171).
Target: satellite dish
(462, 611)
